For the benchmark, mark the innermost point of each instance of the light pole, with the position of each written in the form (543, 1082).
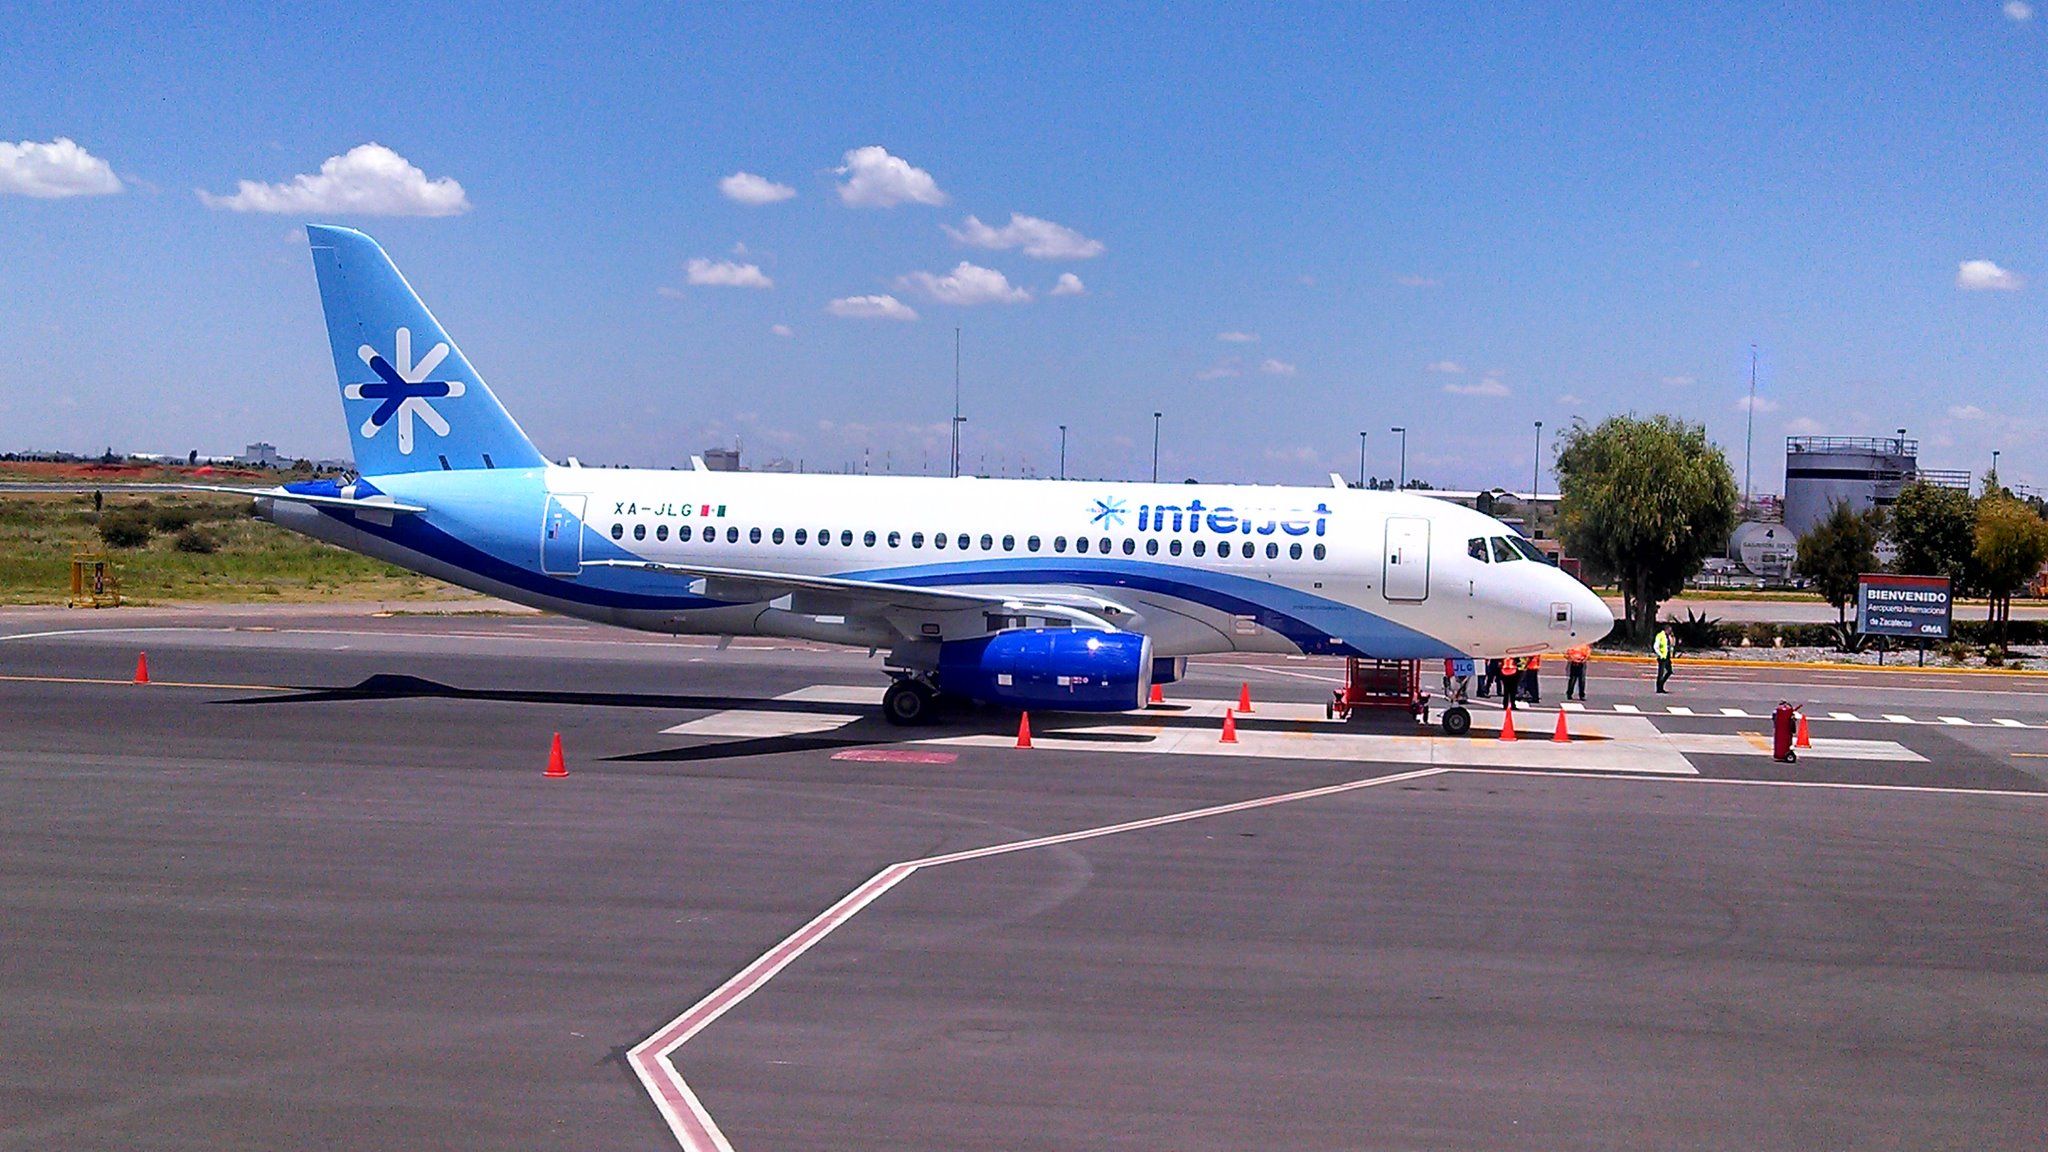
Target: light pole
(1063, 451)
(1902, 441)
(1155, 446)
(1536, 469)
(1361, 459)
(957, 418)
(1994, 463)
(1403, 434)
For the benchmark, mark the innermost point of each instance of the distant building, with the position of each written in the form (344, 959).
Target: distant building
(722, 459)
(1864, 472)
(259, 455)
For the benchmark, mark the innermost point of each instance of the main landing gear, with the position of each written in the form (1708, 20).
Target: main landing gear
(910, 702)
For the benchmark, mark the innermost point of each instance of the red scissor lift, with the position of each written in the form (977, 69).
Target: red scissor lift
(1389, 685)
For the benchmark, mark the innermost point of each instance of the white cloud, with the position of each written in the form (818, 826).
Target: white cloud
(967, 284)
(1068, 285)
(875, 179)
(2018, 12)
(871, 308)
(1966, 412)
(1680, 381)
(1756, 403)
(1491, 386)
(1446, 367)
(367, 180)
(747, 188)
(726, 274)
(783, 330)
(1984, 276)
(1804, 426)
(1569, 399)
(1277, 368)
(1238, 337)
(1418, 282)
(53, 171)
(1221, 370)
(1040, 239)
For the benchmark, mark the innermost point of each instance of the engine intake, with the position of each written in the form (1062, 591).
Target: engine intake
(1064, 669)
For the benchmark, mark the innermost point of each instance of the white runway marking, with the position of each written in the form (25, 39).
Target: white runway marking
(1956, 720)
(1574, 706)
(2011, 724)
(650, 1059)
(1895, 718)
(1679, 710)
(1734, 712)
(1628, 709)
(1849, 716)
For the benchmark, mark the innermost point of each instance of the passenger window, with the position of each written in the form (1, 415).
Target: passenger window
(684, 533)
(1223, 549)
(661, 532)
(1272, 551)
(1009, 543)
(753, 535)
(1173, 547)
(1200, 547)
(1476, 548)
(618, 531)
(917, 539)
(1321, 552)
(961, 542)
(1059, 543)
(1151, 547)
(1130, 546)
(1031, 545)
(778, 536)
(1502, 551)
(938, 540)
(803, 536)
(1294, 551)
(895, 539)
(867, 538)
(987, 541)
(846, 538)
(639, 531)
(732, 535)
(1102, 545)
(824, 537)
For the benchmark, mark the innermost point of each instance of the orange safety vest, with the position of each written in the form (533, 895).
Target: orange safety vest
(1508, 667)
(1578, 655)
(1532, 663)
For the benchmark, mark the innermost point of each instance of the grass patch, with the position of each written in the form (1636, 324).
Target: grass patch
(250, 560)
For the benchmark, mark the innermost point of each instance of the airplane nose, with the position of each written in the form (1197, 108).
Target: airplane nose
(1592, 616)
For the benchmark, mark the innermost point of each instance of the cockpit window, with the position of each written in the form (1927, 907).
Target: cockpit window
(1476, 548)
(1504, 551)
(1527, 549)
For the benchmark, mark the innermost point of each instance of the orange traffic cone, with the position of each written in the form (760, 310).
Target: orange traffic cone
(142, 668)
(1244, 696)
(556, 768)
(1507, 725)
(1802, 740)
(1158, 694)
(1024, 730)
(1560, 736)
(1229, 727)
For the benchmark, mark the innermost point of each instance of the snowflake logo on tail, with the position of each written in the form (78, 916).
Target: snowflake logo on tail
(404, 391)
(1108, 513)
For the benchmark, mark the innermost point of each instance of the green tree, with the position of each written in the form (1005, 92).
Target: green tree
(1935, 529)
(1837, 551)
(1647, 500)
(2012, 543)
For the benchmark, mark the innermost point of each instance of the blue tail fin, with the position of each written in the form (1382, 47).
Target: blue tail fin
(413, 402)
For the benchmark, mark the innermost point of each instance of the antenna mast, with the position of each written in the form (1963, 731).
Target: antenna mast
(956, 403)
(1749, 438)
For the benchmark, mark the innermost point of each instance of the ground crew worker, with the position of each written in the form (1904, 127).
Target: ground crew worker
(1457, 675)
(1510, 681)
(1575, 660)
(1531, 690)
(1662, 646)
(1489, 678)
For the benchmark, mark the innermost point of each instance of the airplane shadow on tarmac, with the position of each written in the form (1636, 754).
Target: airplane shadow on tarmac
(974, 720)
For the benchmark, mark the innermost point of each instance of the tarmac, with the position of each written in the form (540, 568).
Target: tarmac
(310, 889)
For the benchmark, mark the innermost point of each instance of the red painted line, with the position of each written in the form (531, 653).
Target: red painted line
(896, 756)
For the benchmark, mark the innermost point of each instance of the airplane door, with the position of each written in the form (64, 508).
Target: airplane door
(1406, 576)
(561, 542)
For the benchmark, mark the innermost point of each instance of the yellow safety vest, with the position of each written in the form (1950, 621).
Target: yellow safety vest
(1662, 645)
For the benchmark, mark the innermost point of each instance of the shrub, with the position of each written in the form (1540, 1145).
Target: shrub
(1697, 631)
(196, 539)
(125, 529)
(170, 519)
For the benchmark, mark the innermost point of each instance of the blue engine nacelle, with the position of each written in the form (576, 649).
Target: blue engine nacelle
(1064, 669)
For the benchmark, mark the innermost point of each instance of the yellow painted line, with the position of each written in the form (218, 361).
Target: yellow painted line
(151, 684)
(2031, 755)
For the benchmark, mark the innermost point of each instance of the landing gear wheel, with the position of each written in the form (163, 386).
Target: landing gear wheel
(1457, 721)
(908, 703)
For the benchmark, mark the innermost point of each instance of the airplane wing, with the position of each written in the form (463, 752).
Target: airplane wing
(366, 504)
(748, 586)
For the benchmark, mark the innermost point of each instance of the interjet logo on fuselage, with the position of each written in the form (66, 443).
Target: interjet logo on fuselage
(403, 391)
(1223, 520)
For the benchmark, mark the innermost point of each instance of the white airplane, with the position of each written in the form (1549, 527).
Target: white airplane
(1028, 593)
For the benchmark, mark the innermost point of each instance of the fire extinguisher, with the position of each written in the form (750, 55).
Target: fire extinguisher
(1783, 718)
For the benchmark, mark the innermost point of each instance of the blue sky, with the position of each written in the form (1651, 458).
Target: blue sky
(1457, 218)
